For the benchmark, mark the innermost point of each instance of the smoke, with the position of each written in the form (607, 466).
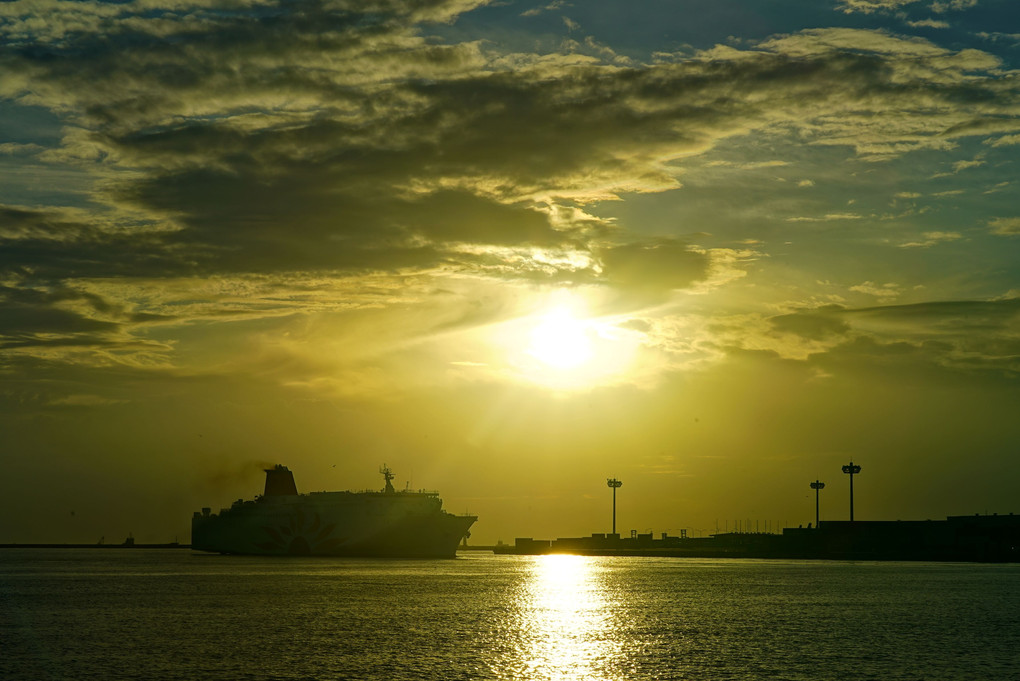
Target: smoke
(230, 476)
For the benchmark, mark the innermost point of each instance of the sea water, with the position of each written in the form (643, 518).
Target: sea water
(174, 614)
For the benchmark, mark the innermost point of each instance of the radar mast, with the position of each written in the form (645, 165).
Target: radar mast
(388, 476)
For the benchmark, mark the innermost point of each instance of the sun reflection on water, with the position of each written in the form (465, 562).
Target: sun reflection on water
(565, 621)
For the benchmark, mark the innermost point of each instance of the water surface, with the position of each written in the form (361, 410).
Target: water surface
(173, 614)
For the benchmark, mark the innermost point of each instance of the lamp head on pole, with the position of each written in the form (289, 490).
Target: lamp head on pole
(817, 485)
(852, 469)
(614, 483)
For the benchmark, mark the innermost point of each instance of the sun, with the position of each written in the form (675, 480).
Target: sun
(562, 347)
(560, 340)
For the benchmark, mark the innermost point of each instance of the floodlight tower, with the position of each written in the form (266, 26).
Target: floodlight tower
(851, 470)
(816, 486)
(614, 483)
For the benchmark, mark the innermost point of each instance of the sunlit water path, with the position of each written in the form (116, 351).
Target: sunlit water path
(141, 614)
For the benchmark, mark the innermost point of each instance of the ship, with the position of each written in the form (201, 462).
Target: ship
(281, 522)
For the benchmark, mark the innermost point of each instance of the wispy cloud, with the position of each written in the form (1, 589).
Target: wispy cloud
(885, 292)
(928, 23)
(826, 218)
(1005, 226)
(932, 238)
(869, 6)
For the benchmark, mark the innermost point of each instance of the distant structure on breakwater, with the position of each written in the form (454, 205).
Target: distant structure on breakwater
(128, 543)
(977, 538)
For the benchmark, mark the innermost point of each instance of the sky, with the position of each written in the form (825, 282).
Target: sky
(714, 248)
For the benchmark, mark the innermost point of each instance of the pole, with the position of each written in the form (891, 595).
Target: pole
(615, 484)
(851, 497)
(614, 510)
(816, 486)
(851, 470)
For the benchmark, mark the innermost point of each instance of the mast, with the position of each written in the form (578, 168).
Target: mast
(388, 476)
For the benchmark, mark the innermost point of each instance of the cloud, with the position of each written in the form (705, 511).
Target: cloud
(886, 291)
(1005, 141)
(932, 238)
(941, 6)
(969, 335)
(84, 400)
(886, 6)
(1005, 226)
(633, 108)
(826, 218)
(54, 243)
(46, 317)
(996, 37)
(15, 149)
(928, 23)
(998, 187)
(815, 324)
(48, 313)
(551, 7)
(317, 141)
(870, 6)
(658, 265)
(961, 336)
(964, 165)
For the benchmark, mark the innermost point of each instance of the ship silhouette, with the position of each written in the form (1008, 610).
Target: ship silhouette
(282, 522)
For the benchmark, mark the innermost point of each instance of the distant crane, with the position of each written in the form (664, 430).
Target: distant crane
(816, 486)
(615, 484)
(851, 470)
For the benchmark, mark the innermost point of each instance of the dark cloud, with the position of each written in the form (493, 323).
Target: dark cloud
(658, 265)
(816, 324)
(333, 138)
(461, 216)
(962, 336)
(25, 313)
(960, 315)
(48, 245)
(947, 317)
(59, 316)
(314, 136)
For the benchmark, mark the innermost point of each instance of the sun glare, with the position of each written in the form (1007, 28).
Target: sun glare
(566, 620)
(560, 340)
(563, 348)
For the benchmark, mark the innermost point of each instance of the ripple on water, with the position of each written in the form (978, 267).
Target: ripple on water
(177, 615)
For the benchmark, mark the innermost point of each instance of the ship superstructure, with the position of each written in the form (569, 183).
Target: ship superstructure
(387, 523)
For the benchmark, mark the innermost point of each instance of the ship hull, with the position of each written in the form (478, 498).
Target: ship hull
(367, 524)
